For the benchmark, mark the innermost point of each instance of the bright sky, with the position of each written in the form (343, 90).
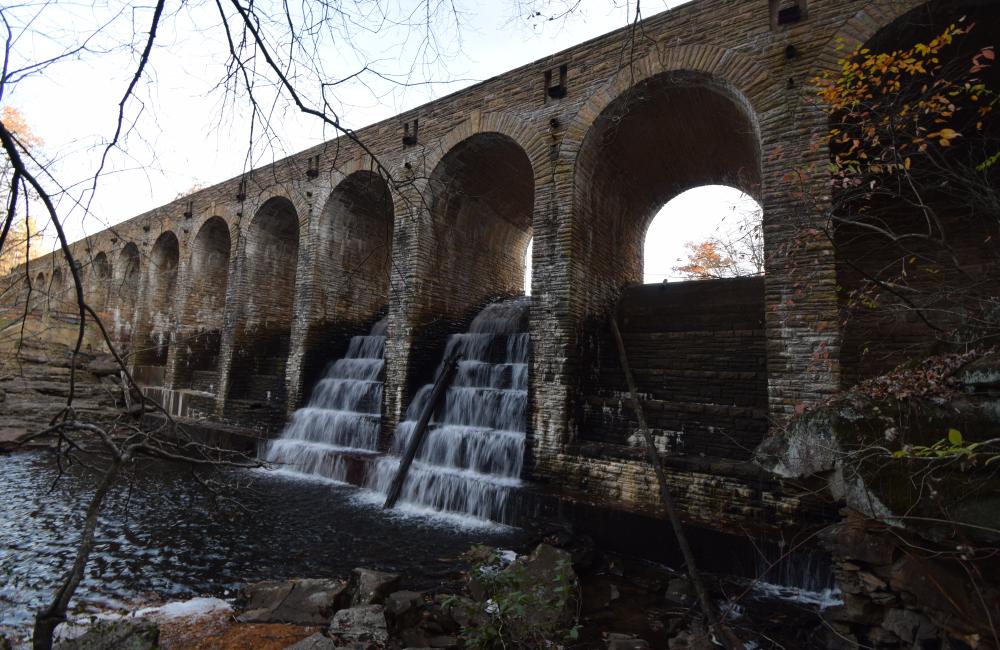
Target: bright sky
(186, 134)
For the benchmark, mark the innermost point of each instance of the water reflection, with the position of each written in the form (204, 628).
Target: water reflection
(169, 538)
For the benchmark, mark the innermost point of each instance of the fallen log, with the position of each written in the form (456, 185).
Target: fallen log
(723, 634)
(420, 430)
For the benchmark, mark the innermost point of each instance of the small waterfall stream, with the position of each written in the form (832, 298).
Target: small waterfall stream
(474, 449)
(342, 416)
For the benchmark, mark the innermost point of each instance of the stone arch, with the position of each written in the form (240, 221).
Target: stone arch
(632, 161)
(355, 243)
(125, 289)
(152, 339)
(874, 16)
(56, 291)
(262, 338)
(39, 291)
(479, 222)
(100, 281)
(351, 267)
(200, 326)
(937, 265)
(744, 77)
(671, 130)
(516, 129)
(464, 247)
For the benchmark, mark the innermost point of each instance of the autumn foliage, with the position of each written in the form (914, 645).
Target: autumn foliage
(23, 235)
(915, 219)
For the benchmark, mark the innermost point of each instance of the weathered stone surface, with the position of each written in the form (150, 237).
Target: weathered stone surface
(618, 641)
(163, 276)
(361, 623)
(542, 572)
(306, 601)
(125, 634)
(370, 587)
(317, 641)
(103, 366)
(679, 591)
(403, 608)
(909, 625)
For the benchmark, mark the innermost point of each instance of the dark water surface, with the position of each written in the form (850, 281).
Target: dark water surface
(168, 537)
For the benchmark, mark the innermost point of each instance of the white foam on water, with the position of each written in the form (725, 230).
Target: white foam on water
(342, 416)
(473, 453)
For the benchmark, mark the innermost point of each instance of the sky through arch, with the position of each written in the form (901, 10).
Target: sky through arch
(697, 215)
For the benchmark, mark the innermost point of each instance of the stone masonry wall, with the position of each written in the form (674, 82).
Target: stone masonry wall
(582, 190)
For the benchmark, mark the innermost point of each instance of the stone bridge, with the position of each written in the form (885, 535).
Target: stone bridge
(234, 298)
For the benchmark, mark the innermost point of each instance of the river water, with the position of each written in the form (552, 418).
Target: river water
(167, 538)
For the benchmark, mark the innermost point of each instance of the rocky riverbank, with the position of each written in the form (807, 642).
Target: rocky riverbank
(569, 597)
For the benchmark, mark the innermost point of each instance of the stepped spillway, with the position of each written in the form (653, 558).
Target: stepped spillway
(342, 417)
(473, 452)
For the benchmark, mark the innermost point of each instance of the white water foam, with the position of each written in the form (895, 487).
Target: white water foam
(473, 454)
(342, 417)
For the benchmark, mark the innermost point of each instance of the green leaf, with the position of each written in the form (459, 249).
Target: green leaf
(955, 437)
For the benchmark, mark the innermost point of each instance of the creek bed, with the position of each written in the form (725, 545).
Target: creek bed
(167, 538)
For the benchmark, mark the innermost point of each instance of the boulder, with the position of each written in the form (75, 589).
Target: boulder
(103, 366)
(542, 572)
(314, 642)
(403, 608)
(369, 587)
(618, 641)
(361, 623)
(909, 626)
(680, 592)
(304, 601)
(123, 634)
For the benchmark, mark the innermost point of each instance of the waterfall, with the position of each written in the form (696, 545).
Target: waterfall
(473, 451)
(342, 417)
(804, 576)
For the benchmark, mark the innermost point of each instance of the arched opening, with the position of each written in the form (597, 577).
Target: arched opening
(482, 195)
(202, 316)
(125, 290)
(39, 291)
(56, 292)
(353, 265)
(262, 338)
(152, 341)
(697, 348)
(100, 282)
(706, 233)
(917, 249)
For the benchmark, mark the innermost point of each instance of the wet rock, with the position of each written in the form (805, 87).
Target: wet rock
(403, 608)
(103, 366)
(851, 539)
(314, 642)
(124, 634)
(599, 596)
(306, 601)
(361, 623)
(618, 641)
(908, 625)
(679, 592)
(691, 640)
(370, 587)
(458, 612)
(443, 642)
(413, 638)
(541, 573)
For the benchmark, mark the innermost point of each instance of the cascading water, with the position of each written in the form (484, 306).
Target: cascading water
(342, 417)
(472, 454)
